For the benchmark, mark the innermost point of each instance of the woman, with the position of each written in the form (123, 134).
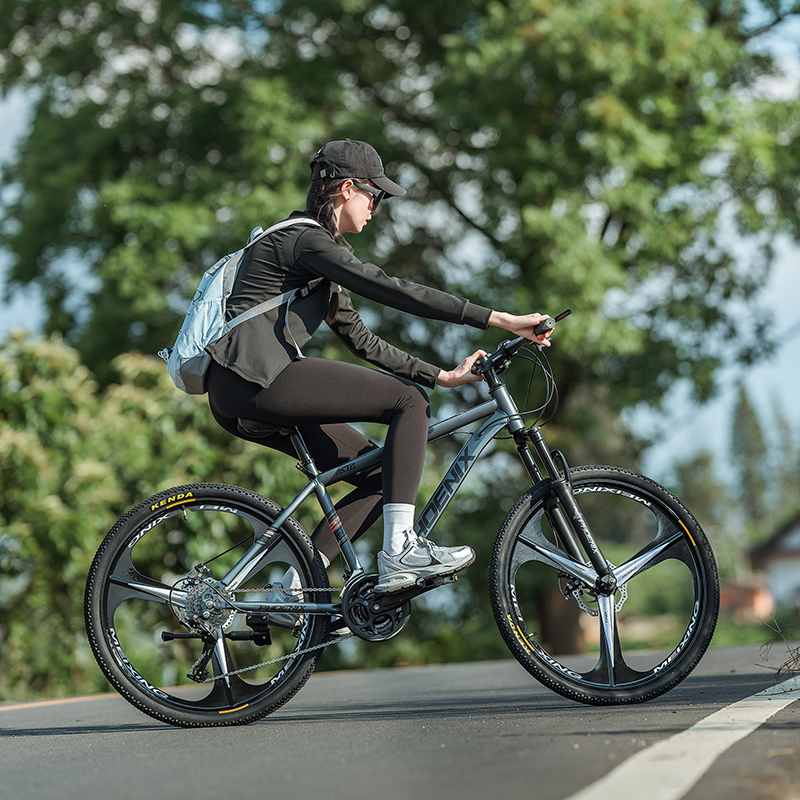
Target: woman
(258, 371)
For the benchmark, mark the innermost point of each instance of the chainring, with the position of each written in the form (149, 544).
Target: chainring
(370, 616)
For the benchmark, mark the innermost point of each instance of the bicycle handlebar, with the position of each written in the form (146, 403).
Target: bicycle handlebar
(501, 358)
(544, 326)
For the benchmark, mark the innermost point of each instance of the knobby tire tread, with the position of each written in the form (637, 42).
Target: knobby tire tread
(530, 662)
(93, 599)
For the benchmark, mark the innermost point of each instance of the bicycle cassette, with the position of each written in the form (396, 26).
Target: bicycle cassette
(206, 607)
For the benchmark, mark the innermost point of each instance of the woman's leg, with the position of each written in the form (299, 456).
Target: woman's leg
(317, 392)
(311, 393)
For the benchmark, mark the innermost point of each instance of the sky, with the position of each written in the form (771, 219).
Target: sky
(687, 428)
(690, 428)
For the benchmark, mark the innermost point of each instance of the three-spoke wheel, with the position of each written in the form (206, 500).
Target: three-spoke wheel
(650, 633)
(168, 634)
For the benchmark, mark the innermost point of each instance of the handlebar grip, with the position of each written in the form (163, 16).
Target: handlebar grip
(544, 326)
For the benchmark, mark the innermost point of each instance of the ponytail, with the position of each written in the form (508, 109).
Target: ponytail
(319, 205)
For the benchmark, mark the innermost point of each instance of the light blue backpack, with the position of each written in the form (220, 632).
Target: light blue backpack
(187, 360)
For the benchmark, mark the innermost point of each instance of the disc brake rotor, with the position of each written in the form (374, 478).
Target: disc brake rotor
(623, 596)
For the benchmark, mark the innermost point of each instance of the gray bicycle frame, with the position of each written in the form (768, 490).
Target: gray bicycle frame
(501, 412)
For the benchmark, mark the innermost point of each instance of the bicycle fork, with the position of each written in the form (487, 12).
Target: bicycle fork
(564, 516)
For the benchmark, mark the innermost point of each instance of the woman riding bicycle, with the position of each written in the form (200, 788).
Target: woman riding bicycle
(258, 371)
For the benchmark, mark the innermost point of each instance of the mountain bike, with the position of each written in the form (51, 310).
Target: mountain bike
(176, 599)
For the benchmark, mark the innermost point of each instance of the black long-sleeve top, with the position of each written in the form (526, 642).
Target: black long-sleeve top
(260, 348)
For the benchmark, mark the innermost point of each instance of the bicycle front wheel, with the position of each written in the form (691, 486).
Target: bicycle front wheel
(650, 634)
(157, 572)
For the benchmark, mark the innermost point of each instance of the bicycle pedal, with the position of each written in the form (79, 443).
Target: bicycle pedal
(436, 581)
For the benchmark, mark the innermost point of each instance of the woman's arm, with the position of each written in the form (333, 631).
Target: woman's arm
(522, 326)
(363, 343)
(317, 253)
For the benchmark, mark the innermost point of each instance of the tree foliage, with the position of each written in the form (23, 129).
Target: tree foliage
(765, 457)
(749, 460)
(604, 155)
(697, 484)
(600, 155)
(73, 458)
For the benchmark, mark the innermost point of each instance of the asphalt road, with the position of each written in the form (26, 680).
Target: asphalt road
(462, 731)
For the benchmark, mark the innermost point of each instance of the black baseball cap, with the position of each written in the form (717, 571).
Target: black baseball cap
(347, 158)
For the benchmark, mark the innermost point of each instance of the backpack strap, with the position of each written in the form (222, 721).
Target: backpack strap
(286, 297)
(279, 226)
(274, 302)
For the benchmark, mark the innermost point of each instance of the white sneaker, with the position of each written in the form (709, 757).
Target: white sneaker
(421, 558)
(283, 619)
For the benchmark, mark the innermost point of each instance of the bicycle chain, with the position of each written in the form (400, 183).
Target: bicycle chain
(306, 590)
(294, 653)
(294, 591)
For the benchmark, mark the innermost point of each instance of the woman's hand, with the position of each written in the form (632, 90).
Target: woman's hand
(462, 373)
(521, 326)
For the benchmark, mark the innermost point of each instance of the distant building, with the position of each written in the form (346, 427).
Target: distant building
(779, 557)
(745, 604)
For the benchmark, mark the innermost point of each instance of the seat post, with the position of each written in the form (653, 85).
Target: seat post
(307, 464)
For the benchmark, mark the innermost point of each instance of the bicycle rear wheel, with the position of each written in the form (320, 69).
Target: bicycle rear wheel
(648, 636)
(149, 559)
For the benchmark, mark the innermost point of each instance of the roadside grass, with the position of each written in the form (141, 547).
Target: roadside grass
(778, 637)
(783, 625)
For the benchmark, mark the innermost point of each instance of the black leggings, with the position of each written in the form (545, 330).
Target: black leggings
(320, 396)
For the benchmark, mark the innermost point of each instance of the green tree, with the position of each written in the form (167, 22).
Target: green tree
(73, 458)
(748, 458)
(786, 481)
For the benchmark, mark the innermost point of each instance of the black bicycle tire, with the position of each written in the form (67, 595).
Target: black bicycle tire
(539, 663)
(146, 699)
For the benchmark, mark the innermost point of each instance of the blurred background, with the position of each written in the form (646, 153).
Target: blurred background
(635, 160)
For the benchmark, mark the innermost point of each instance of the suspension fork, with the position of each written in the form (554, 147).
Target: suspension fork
(564, 516)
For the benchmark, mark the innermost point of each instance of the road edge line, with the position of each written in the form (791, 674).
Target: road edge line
(670, 768)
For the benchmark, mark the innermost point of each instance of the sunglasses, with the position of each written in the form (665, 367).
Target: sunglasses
(377, 193)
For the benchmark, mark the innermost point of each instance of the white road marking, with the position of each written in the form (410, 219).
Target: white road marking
(669, 769)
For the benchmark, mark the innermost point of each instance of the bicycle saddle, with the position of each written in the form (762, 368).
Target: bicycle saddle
(255, 427)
